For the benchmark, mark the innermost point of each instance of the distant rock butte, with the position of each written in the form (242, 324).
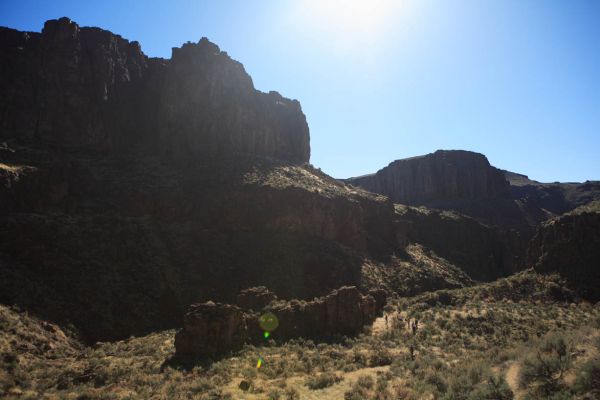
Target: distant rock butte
(81, 87)
(445, 174)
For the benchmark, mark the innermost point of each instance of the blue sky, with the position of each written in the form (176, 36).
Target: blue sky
(379, 80)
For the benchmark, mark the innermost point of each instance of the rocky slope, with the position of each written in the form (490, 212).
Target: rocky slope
(89, 88)
(212, 329)
(552, 199)
(123, 250)
(131, 187)
(570, 245)
(484, 253)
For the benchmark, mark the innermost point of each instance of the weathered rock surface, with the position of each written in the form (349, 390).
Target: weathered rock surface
(89, 88)
(485, 253)
(211, 329)
(457, 180)
(570, 245)
(118, 246)
(445, 174)
(255, 298)
(552, 199)
(342, 312)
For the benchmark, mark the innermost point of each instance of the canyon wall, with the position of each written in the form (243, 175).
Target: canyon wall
(80, 87)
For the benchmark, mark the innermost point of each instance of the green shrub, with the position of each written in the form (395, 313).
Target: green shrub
(588, 379)
(545, 367)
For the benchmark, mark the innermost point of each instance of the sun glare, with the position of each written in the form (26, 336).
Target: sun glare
(346, 23)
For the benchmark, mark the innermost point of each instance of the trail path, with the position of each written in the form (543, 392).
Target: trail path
(512, 378)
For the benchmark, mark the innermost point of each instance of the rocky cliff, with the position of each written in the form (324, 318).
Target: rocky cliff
(89, 88)
(551, 199)
(485, 253)
(445, 174)
(570, 245)
(457, 180)
(131, 187)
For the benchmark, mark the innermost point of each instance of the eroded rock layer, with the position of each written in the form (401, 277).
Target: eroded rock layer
(570, 245)
(211, 329)
(81, 87)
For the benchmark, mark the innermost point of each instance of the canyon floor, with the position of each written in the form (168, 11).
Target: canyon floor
(519, 337)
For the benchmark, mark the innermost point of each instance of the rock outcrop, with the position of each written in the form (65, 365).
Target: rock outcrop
(80, 87)
(485, 253)
(211, 329)
(457, 180)
(254, 298)
(570, 245)
(551, 199)
(443, 175)
(342, 312)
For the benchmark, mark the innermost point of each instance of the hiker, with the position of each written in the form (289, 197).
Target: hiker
(411, 349)
(413, 327)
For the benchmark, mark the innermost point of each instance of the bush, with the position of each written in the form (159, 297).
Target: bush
(365, 381)
(321, 381)
(380, 357)
(588, 379)
(545, 368)
(292, 394)
(356, 393)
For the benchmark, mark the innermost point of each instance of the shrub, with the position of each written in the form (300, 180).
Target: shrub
(323, 380)
(380, 357)
(292, 394)
(365, 381)
(546, 366)
(588, 379)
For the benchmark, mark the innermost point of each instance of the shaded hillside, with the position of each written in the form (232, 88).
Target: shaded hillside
(484, 253)
(125, 249)
(131, 187)
(552, 198)
(570, 246)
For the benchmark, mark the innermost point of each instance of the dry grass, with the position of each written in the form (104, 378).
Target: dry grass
(471, 347)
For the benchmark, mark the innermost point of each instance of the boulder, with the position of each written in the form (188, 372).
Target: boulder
(380, 296)
(211, 329)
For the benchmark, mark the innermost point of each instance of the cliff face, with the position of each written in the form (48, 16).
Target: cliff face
(446, 175)
(485, 253)
(570, 245)
(89, 88)
(121, 246)
(455, 180)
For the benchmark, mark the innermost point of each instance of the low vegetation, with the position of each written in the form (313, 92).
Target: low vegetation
(489, 341)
